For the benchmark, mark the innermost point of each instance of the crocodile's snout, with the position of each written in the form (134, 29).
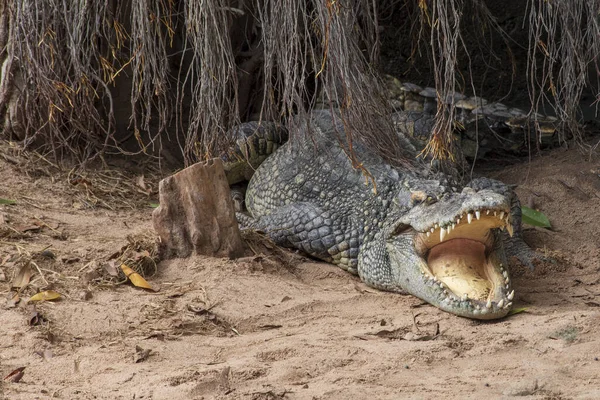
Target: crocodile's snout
(455, 248)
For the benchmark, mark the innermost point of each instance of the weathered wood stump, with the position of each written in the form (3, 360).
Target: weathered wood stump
(195, 215)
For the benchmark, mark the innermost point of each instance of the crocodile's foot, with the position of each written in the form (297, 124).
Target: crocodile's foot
(519, 252)
(245, 221)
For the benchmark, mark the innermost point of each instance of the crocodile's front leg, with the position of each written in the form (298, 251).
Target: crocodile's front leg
(305, 226)
(375, 266)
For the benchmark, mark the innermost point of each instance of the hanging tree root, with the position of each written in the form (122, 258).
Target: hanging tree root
(196, 214)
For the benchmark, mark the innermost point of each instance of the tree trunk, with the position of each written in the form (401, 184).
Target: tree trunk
(10, 78)
(196, 214)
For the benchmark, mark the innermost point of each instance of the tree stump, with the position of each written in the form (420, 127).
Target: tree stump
(195, 215)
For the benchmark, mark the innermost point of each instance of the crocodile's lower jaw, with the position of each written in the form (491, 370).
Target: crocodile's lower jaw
(467, 269)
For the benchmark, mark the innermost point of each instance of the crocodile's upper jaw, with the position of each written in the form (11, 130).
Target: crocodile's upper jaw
(461, 267)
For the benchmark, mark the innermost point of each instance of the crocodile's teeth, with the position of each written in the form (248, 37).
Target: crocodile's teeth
(501, 214)
(469, 217)
(487, 212)
(505, 274)
(511, 295)
(495, 214)
(432, 230)
(510, 230)
(489, 304)
(428, 233)
(442, 234)
(478, 214)
(457, 221)
(436, 226)
(453, 226)
(465, 297)
(501, 303)
(508, 305)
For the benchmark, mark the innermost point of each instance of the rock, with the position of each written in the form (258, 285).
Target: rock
(195, 215)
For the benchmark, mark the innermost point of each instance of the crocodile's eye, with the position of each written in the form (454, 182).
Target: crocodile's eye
(430, 200)
(419, 197)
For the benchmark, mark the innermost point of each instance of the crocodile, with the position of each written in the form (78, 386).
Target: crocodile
(399, 230)
(482, 127)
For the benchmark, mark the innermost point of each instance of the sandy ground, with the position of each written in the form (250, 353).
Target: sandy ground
(276, 325)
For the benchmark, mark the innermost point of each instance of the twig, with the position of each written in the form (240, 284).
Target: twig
(47, 226)
(40, 271)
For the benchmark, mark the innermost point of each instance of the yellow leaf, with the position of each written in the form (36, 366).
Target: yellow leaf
(135, 278)
(45, 296)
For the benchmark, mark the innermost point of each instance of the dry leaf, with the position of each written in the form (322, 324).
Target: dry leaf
(141, 354)
(91, 276)
(111, 268)
(16, 375)
(46, 295)
(270, 326)
(135, 278)
(143, 188)
(140, 182)
(13, 300)
(156, 335)
(36, 318)
(27, 228)
(416, 337)
(141, 254)
(48, 254)
(22, 278)
(85, 295)
(4, 261)
(46, 354)
(80, 181)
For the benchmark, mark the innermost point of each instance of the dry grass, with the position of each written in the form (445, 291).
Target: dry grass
(195, 69)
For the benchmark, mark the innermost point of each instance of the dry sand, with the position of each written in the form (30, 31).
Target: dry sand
(277, 325)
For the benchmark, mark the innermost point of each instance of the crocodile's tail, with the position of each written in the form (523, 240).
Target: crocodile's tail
(254, 142)
(482, 126)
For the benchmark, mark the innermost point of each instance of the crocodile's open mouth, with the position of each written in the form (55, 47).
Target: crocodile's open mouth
(462, 258)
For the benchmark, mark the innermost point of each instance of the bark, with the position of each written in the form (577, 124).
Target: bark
(196, 214)
(10, 80)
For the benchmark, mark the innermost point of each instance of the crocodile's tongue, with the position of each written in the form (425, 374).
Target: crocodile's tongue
(461, 265)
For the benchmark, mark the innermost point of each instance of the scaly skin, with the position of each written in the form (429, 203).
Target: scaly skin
(308, 196)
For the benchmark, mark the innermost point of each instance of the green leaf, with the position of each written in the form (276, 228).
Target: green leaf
(517, 310)
(534, 217)
(6, 201)
(154, 205)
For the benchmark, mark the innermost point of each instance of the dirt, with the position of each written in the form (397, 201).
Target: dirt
(275, 324)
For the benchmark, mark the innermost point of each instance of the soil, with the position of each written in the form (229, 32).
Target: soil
(275, 324)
